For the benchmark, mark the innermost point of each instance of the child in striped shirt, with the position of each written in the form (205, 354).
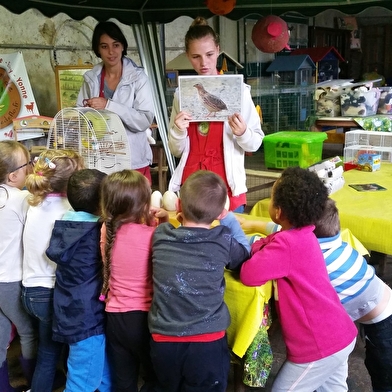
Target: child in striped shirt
(366, 298)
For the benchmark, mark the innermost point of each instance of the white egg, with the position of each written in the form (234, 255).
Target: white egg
(169, 201)
(156, 199)
(227, 204)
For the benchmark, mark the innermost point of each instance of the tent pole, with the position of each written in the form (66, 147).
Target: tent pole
(147, 41)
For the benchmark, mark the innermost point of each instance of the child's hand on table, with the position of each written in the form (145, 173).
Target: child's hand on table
(159, 213)
(246, 224)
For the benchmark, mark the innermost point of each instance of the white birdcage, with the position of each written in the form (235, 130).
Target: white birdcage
(98, 136)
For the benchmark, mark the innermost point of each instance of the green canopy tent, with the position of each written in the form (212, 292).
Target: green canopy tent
(145, 15)
(164, 11)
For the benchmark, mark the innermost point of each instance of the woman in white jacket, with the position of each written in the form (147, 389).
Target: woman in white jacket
(216, 146)
(119, 85)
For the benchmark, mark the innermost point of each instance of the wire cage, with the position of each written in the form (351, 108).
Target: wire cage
(285, 108)
(287, 97)
(98, 136)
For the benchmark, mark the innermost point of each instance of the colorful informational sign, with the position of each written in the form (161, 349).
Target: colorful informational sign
(16, 96)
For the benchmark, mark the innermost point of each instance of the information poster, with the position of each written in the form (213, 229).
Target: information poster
(16, 96)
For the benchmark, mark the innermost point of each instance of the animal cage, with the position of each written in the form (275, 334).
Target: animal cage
(285, 108)
(287, 99)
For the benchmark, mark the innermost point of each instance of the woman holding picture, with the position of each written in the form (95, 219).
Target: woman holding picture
(217, 146)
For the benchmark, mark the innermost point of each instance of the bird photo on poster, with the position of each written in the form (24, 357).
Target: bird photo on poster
(210, 98)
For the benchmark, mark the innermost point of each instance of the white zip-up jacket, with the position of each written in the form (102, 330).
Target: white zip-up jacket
(132, 102)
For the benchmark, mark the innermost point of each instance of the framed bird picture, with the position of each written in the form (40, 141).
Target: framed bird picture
(210, 98)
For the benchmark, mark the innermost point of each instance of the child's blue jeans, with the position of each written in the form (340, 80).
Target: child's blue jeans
(38, 302)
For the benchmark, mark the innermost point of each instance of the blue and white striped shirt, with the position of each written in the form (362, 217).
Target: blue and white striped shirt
(358, 287)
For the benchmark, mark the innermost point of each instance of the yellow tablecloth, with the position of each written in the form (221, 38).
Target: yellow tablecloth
(260, 210)
(368, 214)
(246, 306)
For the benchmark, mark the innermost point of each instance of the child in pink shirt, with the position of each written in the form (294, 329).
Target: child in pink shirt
(129, 223)
(317, 331)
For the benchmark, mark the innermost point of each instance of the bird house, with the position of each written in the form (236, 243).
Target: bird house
(292, 70)
(326, 59)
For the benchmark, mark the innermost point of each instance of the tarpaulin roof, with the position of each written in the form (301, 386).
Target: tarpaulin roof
(164, 11)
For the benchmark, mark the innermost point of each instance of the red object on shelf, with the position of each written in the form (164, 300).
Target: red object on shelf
(349, 166)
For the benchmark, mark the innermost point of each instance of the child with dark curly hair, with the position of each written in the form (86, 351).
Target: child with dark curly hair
(318, 333)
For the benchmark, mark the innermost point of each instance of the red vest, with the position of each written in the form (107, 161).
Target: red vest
(206, 153)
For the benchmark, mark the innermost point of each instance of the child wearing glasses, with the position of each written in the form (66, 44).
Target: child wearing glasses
(14, 166)
(48, 203)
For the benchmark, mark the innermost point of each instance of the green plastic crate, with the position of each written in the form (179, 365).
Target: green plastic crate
(293, 148)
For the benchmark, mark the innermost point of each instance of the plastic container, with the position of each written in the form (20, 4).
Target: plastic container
(385, 103)
(360, 102)
(359, 142)
(293, 148)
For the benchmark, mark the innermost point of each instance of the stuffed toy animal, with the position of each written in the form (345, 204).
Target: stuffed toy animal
(360, 102)
(385, 104)
(328, 107)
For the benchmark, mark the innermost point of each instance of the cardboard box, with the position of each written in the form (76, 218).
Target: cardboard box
(369, 162)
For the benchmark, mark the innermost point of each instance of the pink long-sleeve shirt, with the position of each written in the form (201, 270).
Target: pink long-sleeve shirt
(130, 284)
(314, 323)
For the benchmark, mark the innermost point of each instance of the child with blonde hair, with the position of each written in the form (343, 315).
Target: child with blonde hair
(48, 203)
(129, 223)
(14, 167)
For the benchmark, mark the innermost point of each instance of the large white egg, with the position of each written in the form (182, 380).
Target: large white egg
(227, 204)
(169, 201)
(156, 199)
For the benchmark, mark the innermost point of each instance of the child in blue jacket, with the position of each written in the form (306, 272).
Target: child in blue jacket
(79, 316)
